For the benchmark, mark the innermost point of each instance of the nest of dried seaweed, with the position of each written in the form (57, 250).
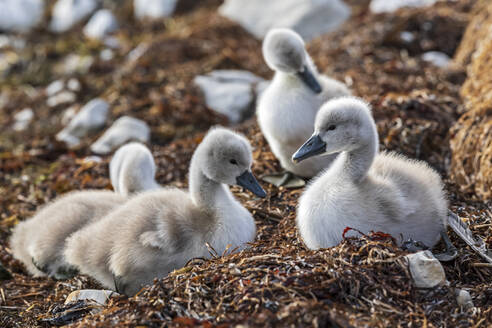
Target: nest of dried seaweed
(362, 282)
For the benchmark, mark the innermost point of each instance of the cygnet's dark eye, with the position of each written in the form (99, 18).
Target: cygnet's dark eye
(233, 161)
(332, 127)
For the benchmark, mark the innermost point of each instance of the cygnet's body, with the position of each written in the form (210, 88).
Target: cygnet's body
(39, 241)
(159, 231)
(132, 169)
(287, 108)
(363, 189)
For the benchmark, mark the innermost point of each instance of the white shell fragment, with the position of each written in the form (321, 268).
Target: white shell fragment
(437, 58)
(229, 92)
(389, 6)
(67, 13)
(20, 15)
(54, 87)
(464, 299)
(90, 118)
(426, 270)
(123, 130)
(99, 296)
(101, 24)
(63, 97)
(307, 17)
(22, 119)
(153, 8)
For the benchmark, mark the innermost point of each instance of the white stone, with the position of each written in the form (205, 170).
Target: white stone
(99, 296)
(437, 58)
(389, 6)
(123, 130)
(106, 54)
(9, 41)
(310, 18)
(153, 8)
(22, 119)
(76, 64)
(407, 36)
(68, 114)
(20, 15)
(74, 84)
(90, 118)
(54, 87)
(102, 23)
(464, 299)
(112, 42)
(426, 270)
(93, 159)
(60, 98)
(67, 13)
(229, 92)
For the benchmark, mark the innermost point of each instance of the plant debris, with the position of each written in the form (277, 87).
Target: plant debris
(363, 281)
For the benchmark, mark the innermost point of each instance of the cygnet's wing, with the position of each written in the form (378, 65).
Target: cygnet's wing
(173, 225)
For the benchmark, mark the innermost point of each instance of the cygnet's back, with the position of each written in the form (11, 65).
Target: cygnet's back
(159, 231)
(363, 189)
(287, 108)
(38, 242)
(132, 169)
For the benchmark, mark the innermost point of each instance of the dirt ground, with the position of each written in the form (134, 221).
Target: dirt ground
(277, 282)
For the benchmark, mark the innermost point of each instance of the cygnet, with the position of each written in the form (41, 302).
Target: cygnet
(159, 231)
(132, 169)
(363, 189)
(38, 242)
(287, 108)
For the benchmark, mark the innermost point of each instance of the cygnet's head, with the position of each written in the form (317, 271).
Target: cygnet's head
(226, 157)
(284, 51)
(132, 169)
(342, 124)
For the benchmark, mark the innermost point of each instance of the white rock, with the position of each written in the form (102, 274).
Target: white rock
(91, 117)
(407, 36)
(63, 97)
(20, 15)
(112, 42)
(74, 84)
(464, 298)
(54, 87)
(307, 17)
(389, 6)
(123, 130)
(76, 64)
(10, 41)
(153, 8)
(426, 270)
(437, 58)
(67, 13)
(68, 114)
(229, 92)
(106, 54)
(99, 296)
(102, 23)
(92, 159)
(22, 119)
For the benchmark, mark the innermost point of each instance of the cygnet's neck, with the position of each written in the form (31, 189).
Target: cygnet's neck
(205, 192)
(355, 163)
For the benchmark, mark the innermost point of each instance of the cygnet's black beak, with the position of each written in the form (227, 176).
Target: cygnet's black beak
(314, 146)
(308, 78)
(248, 181)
